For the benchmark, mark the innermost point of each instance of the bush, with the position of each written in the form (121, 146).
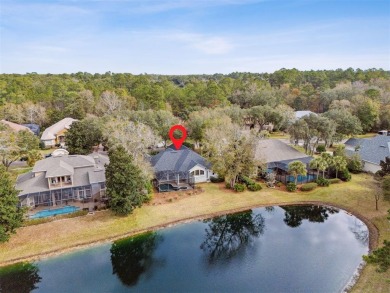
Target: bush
(291, 186)
(254, 187)
(247, 181)
(355, 164)
(217, 179)
(321, 148)
(345, 175)
(334, 180)
(189, 145)
(227, 185)
(322, 181)
(36, 221)
(33, 222)
(42, 145)
(309, 186)
(239, 187)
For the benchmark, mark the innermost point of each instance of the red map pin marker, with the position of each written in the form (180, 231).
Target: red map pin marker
(177, 142)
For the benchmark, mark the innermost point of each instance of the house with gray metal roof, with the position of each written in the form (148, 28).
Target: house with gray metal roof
(179, 169)
(371, 151)
(63, 179)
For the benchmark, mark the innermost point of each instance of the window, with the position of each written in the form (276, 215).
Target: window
(197, 173)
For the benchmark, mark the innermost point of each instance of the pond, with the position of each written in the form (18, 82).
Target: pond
(274, 249)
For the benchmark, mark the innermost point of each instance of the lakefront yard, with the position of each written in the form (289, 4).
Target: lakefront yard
(59, 236)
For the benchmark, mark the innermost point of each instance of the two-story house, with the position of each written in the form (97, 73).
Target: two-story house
(63, 179)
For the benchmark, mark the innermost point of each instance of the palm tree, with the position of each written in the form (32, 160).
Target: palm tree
(327, 161)
(315, 163)
(297, 168)
(339, 163)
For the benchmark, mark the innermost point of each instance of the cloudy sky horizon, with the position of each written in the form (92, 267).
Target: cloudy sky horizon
(192, 37)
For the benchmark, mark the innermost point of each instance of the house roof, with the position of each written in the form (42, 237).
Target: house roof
(373, 149)
(300, 114)
(284, 164)
(354, 142)
(62, 165)
(33, 127)
(51, 132)
(182, 160)
(84, 169)
(16, 127)
(274, 150)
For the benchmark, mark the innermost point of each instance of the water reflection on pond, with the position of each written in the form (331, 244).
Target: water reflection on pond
(274, 249)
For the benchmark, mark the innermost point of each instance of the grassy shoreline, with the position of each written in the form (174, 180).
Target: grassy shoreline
(35, 242)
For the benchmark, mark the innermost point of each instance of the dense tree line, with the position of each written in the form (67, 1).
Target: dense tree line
(45, 99)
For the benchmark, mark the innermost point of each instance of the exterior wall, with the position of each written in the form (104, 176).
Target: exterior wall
(49, 143)
(201, 178)
(370, 167)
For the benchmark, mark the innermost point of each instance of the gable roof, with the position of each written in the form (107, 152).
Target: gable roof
(354, 142)
(182, 160)
(374, 149)
(84, 169)
(274, 150)
(15, 127)
(51, 132)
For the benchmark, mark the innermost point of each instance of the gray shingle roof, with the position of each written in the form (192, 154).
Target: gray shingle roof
(181, 160)
(374, 149)
(354, 142)
(274, 150)
(82, 168)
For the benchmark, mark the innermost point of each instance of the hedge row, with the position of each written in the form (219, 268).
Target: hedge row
(309, 186)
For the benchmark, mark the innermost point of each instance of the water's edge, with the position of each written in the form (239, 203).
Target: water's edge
(373, 234)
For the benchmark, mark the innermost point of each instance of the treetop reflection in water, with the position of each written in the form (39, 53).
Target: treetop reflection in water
(19, 278)
(132, 257)
(226, 235)
(256, 250)
(294, 215)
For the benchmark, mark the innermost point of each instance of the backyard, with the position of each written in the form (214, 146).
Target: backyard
(356, 196)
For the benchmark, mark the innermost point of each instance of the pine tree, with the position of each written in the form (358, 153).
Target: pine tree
(11, 216)
(126, 187)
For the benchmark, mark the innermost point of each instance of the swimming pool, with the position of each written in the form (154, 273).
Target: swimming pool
(301, 179)
(55, 212)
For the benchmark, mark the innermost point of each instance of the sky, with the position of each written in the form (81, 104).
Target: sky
(192, 36)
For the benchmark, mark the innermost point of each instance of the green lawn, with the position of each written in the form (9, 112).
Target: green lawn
(62, 235)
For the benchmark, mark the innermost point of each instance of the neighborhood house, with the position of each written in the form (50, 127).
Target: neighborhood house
(63, 179)
(55, 134)
(179, 169)
(15, 127)
(370, 150)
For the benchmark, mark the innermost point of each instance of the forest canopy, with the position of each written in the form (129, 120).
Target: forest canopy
(46, 98)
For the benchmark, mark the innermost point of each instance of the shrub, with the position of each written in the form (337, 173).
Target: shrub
(291, 186)
(247, 181)
(217, 179)
(309, 186)
(36, 221)
(322, 181)
(239, 187)
(42, 145)
(321, 148)
(254, 187)
(355, 164)
(279, 184)
(345, 175)
(189, 145)
(227, 185)
(334, 180)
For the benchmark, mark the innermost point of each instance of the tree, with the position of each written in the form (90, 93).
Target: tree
(127, 188)
(135, 138)
(230, 152)
(297, 168)
(385, 183)
(19, 278)
(367, 111)
(316, 163)
(380, 256)
(14, 145)
(11, 215)
(385, 167)
(339, 163)
(83, 135)
(346, 123)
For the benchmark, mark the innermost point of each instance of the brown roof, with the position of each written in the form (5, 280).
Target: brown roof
(15, 127)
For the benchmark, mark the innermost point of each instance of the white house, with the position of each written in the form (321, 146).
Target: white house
(55, 134)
